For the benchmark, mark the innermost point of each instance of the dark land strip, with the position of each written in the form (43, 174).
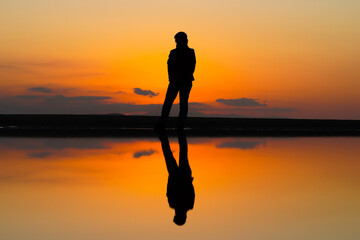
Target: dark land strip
(142, 126)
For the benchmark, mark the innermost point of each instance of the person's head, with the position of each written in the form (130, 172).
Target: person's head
(180, 218)
(181, 39)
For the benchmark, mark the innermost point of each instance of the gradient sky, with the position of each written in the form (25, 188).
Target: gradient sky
(297, 59)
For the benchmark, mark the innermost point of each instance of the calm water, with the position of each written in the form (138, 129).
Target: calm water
(245, 188)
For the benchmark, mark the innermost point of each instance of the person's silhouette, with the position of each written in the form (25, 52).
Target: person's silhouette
(181, 67)
(180, 189)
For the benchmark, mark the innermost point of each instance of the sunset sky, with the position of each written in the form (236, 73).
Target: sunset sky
(293, 59)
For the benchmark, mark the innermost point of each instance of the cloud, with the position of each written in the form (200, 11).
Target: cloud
(40, 89)
(61, 144)
(10, 66)
(39, 155)
(84, 74)
(42, 64)
(61, 98)
(51, 144)
(52, 69)
(275, 109)
(240, 144)
(120, 92)
(58, 104)
(241, 102)
(92, 104)
(199, 105)
(141, 92)
(29, 97)
(144, 153)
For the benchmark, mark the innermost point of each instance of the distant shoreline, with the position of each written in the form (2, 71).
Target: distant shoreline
(142, 126)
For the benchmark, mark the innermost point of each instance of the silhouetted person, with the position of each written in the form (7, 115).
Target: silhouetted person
(180, 189)
(181, 67)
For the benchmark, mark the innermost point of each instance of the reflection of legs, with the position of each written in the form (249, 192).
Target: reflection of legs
(183, 155)
(169, 99)
(171, 164)
(184, 98)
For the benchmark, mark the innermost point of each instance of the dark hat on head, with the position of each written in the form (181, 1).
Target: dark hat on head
(180, 35)
(180, 219)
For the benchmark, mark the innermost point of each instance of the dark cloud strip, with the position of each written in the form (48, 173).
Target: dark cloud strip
(142, 92)
(61, 98)
(60, 104)
(144, 153)
(275, 109)
(40, 90)
(239, 145)
(241, 102)
(39, 155)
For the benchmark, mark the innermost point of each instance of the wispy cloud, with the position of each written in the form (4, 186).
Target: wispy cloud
(52, 69)
(64, 63)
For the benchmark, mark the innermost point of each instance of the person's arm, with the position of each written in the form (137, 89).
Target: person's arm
(193, 62)
(170, 65)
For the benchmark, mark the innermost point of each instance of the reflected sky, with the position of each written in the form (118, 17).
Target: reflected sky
(115, 188)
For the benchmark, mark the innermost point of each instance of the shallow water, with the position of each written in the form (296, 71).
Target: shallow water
(115, 188)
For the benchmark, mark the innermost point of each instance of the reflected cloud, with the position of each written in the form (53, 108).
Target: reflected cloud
(241, 144)
(52, 143)
(69, 160)
(143, 153)
(40, 155)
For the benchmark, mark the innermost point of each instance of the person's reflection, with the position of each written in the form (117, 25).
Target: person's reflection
(180, 189)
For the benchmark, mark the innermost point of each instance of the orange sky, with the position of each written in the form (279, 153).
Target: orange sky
(290, 59)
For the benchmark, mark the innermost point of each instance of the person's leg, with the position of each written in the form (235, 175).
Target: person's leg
(184, 98)
(170, 161)
(169, 99)
(184, 165)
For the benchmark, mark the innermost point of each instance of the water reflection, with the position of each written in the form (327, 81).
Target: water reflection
(180, 189)
(114, 188)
